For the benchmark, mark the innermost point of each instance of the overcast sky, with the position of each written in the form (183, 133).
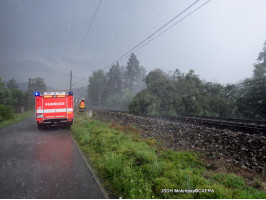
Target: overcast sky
(221, 41)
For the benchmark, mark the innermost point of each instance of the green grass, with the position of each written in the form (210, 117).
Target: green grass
(132, 167)
(17, 117)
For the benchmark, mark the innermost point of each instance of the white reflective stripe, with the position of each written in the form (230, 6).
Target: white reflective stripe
(54, 110)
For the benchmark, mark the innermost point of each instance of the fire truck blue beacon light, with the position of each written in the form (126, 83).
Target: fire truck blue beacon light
(37, 94)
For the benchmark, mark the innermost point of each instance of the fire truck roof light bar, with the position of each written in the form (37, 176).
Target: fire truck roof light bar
(48, 93)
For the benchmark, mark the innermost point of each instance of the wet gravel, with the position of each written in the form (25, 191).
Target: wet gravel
(245, 150)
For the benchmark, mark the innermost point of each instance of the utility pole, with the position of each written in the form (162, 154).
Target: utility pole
(29, 95)
(30, 82)
(70, 80)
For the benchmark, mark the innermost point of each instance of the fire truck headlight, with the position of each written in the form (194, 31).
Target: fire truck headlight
(37, 94)
(39, 116)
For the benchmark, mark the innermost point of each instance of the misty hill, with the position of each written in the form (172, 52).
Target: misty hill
(24, 86)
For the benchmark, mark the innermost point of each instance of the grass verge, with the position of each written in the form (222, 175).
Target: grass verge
(17, 117)
(132, 167)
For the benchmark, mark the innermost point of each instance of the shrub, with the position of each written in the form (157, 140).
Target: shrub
(6, 112)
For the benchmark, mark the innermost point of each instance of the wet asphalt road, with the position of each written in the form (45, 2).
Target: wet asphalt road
(42, 164)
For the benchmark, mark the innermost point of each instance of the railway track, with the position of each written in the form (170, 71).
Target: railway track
(249, 126)
(243, 125)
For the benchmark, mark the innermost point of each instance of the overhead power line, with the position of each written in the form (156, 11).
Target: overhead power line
(89, 28)
(84, 39)
(79, 81)
(151, 39)
(150, 36)
(173, 25)
(251, 82)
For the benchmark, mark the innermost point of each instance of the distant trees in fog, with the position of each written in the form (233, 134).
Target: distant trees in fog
(117, 87)
(11, 96)
(186, 94)
(178, 93)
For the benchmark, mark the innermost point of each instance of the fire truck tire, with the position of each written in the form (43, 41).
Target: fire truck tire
(68, 126)
(40, 126)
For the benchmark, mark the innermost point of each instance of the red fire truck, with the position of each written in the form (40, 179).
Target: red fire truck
(54, 109)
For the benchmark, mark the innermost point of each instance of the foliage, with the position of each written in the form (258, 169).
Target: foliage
(180, 94)
(12, 96)
(116, 88)
(262, 55)
(135, 74)
(6, 112)
(132, 167)
(38, 85)
(159, 93)
(186, 94)
(96, 87)
(251, 101)
(12, 84)
(119, 100)
(114, 79)
(16, 118)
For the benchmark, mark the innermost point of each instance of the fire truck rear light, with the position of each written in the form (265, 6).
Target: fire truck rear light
(39, 116)
(61, 95)
(48, 96)
(69, 120)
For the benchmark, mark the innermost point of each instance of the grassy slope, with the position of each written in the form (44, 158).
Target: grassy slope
(17, 118)
(132, 167)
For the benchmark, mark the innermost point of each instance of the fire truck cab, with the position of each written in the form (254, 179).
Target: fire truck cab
(54, 109)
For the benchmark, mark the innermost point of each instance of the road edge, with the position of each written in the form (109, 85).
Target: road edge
(104, 193)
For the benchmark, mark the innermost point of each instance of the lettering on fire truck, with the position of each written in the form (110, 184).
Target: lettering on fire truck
(55, 104)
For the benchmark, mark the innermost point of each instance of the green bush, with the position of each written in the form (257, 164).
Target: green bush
(6, 112)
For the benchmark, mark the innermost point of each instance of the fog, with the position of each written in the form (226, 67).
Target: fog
(220, 41)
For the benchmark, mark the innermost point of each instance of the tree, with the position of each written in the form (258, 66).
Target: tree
(251, 101)
(96, 87)
(36, 84)
(135, 74)
(180, 94)
(39, 85)
(120, 100)
(262, 55)
(144, 103)
(114, 77)
(12, 84)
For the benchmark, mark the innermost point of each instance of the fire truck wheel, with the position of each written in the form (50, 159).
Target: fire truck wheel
(68, 126)
(40, 126)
